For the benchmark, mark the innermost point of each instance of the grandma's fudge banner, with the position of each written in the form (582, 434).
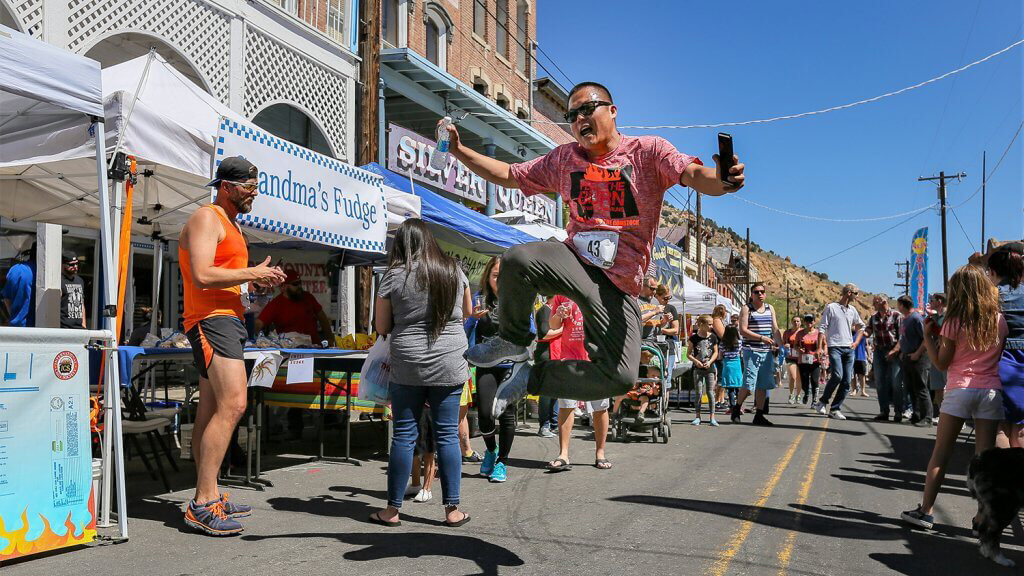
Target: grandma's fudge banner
(307, 195)
(409, 153)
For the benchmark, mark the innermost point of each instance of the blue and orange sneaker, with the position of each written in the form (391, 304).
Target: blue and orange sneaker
(211, 519)
(233, 509)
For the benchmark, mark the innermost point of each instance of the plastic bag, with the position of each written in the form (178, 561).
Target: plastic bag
(375, 377)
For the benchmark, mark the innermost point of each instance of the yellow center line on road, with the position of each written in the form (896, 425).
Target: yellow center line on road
(722, 564)
(786, 553)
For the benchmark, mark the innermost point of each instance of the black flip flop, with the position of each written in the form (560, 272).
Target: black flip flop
(600, 461)
(465, 518)
(376, 519)
(560, 465)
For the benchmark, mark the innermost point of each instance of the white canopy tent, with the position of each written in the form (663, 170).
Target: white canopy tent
(53, 157)
(699, 298)
(169, 128)
(50, 100)
(542, 231)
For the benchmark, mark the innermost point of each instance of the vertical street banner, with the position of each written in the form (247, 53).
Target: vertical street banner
(919, 268)
(307, 195)
(668, 260)
(46, 497)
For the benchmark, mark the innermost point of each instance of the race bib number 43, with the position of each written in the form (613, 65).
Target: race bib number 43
(597, 247)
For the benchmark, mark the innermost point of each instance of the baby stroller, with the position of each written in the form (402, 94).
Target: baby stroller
(655, 420)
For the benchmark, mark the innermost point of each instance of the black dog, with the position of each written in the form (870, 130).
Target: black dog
(996, 480)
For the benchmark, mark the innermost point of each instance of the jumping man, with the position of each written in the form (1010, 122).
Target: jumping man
(615, 185)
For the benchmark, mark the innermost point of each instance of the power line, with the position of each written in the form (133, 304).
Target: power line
(824, 219)
(869, 238)
(957, 218)
(972, 110)
(823, 110)
(994, 168)
(487, 10)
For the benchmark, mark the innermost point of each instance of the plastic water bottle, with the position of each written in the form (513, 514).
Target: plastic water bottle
(439, 159)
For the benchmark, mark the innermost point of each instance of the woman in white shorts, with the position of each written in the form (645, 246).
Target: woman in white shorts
(969, 348)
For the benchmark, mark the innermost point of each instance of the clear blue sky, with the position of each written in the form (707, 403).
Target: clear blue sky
(675, 62)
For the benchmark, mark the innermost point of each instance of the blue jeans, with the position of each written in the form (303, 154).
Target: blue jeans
(888, 383)
(548, 408)
(406, 406)
(840, 372)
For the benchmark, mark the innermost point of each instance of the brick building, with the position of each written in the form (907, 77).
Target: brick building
(473, 60)
(549, 108)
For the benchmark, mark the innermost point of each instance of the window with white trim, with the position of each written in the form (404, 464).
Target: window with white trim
(437, 25)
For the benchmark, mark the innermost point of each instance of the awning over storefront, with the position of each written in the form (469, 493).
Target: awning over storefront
(417, 88)
(453, 222)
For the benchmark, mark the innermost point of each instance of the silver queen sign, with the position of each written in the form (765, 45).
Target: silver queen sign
(409, 153)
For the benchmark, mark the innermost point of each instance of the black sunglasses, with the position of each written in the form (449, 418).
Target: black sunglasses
(758, 291)
(586, 110)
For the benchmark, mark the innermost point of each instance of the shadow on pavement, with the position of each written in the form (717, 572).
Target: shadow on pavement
(338, 508)
(928, 554)
(948, 550)
(817, 429)
(354, 491)
(777, 518)
(395, 544)
(900, 480)
(159, 509)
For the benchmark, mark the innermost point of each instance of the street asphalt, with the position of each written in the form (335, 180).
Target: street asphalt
(810, 495)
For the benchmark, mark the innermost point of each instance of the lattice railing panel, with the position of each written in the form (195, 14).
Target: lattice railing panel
(30, 13)
(276, 73)
(200, 31)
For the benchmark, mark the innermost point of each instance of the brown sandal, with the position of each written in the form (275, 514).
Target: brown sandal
(376, 519)
(465, 519)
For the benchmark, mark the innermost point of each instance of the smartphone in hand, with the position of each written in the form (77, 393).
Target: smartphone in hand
(725, 157)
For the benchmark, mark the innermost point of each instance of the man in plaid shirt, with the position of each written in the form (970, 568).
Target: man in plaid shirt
(884, 326)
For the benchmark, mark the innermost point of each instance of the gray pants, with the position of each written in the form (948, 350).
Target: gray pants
(915, 381)
(611, 321)
(704, 383)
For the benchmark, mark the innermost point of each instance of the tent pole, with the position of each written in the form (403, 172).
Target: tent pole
(158, 268)
(111, 391)
(131, 108)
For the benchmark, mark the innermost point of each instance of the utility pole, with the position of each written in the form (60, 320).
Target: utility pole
(942, 211)
(984, 175)
(903, 271)
(788, 317)
(700, 263)
(369, 105)
(748, 262)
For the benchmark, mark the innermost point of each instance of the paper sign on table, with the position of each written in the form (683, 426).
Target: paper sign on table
(264, 370)
(300, 370)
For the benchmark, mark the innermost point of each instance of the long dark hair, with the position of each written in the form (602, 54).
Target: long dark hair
(490, 298)
(1007, 262)
(437, 272)
(731, 338)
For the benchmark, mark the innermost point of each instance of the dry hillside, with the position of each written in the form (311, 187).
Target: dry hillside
(809, 290)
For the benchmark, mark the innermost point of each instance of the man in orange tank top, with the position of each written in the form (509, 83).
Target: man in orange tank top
(213, 256)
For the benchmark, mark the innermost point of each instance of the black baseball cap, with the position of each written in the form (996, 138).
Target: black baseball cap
(234, 169)
(69, 257)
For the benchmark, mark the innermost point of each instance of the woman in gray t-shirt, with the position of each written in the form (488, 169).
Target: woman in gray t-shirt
(421, 302)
